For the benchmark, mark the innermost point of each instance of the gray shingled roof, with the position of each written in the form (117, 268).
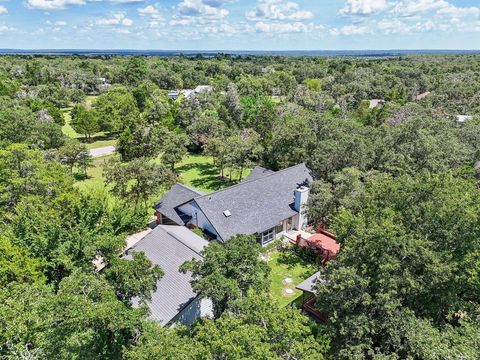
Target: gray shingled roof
(169, 246)
(308, 285)
(256, 205)
(258, 172)
(179, 194)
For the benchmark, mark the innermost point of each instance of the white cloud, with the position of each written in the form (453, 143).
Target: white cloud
(278, 10)
(281, 28)
(200, 8)
(349, 30)
(3, 10)
(415, 7)
(118, 18)
(194, 12)
(62, 4)
(364, 7)
(5, 28)
(458, 12)
(150, 11)
(52, 4)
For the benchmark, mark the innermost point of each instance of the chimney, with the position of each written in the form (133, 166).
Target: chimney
(301, 198)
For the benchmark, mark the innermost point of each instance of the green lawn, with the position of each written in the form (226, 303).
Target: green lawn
(196, 170)
(285, 264)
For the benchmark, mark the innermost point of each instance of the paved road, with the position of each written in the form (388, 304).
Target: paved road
(102, 151)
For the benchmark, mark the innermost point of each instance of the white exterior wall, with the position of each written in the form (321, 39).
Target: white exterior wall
(198, 217)
(301, 198)
(196, 309)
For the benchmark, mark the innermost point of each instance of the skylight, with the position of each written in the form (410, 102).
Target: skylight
(227, 213)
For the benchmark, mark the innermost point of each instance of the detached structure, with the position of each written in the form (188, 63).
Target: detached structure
(174, 300)
(463, 118)
(174, 94)
(375, 103)
(267, 204)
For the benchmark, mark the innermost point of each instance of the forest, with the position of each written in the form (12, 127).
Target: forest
(396, 179)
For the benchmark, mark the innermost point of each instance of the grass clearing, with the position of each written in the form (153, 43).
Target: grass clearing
(286, 265)
(95, 179)
(100, 139)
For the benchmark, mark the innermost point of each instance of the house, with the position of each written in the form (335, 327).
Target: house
(173, 94)
(422, 95)
(267, 204)
(374, 103)
(463, 118)
(201, 89)
(268, 70)
(174, 300)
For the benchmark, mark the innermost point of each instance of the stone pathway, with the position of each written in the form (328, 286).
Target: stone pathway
(102, 151)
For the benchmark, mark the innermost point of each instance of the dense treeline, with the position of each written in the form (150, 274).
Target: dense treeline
(397, 183)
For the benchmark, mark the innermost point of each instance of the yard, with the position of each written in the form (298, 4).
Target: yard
(196, 170)
(287, 271)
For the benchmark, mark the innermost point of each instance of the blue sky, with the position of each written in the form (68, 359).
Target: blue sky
(240, 24)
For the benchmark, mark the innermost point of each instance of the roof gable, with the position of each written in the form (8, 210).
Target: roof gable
(179, 194)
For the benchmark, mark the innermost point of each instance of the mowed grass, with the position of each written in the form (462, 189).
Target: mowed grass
(196, 170)
(286, 264)
(95, 178)
(199, 172)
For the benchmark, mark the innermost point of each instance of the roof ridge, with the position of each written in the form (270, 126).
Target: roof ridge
(182, 242)
(250, 181)
(190, 188)
(161, 227)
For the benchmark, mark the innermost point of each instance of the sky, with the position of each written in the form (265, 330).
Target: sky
(240, 24)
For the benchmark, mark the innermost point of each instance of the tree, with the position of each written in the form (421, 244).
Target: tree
(174, 148)
(135, 277)
(74, 153)
(84, 121)
(255, 328)
(233, 104)
(82, 320)
(16, 265)
(229, 272)
(407, 270)
(217, 148)
(138, 179)
(116, 110)
(25, 172)
(243, 150)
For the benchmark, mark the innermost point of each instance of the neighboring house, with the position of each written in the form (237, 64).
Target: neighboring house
(198, 90)
(422, 95)
(174, 300)
(374, 103)
(173, 94)
(268, 70)
(267, 204)
(103, 82)
(463, 118)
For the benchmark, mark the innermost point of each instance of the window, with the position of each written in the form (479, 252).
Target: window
(268, 236)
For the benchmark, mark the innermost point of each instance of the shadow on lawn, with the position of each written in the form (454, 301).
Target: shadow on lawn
(210, 178)
(99, 137)
(293, 257)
